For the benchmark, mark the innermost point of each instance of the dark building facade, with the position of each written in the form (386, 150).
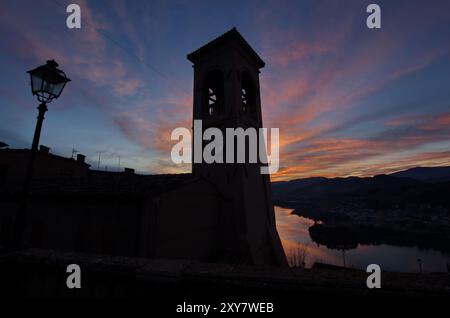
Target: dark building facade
(48, 166)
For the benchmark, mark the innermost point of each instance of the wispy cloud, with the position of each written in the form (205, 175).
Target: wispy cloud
(348, 101)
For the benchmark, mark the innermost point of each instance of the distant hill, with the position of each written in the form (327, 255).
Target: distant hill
(315, 197)
(428, 174)
(407, 208)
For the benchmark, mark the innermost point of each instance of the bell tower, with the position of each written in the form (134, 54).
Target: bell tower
(227, 95)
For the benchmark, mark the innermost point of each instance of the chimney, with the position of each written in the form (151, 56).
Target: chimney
(44, 149)
(81, 158)
(129, 171)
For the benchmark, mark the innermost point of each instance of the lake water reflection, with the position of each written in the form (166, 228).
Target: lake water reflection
(293, 231)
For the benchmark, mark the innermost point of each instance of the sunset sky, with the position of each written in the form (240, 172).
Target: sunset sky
(348, 100)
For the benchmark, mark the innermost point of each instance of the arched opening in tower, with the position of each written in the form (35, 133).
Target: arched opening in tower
(214, 94)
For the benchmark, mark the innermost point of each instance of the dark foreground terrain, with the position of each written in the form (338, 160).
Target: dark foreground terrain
(37, 273)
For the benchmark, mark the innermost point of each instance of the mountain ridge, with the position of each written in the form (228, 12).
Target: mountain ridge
(427, 174)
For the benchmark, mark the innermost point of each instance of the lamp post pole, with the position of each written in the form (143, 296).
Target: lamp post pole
(21, 217)
(47, 83)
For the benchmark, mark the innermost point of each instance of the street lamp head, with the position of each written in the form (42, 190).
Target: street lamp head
(47, 81)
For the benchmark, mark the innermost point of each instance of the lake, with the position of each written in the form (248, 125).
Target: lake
(293, 231)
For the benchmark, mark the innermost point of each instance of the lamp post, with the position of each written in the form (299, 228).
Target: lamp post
(47, 83)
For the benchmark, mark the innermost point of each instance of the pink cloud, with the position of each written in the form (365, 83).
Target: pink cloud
(153, 131)
(299, 51)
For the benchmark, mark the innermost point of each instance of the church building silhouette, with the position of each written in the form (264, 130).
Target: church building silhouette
(218, 213)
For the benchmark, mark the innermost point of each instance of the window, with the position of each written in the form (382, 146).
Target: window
(247, 95)
(213, 103)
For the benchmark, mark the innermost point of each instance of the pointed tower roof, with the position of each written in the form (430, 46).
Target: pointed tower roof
(230, 37)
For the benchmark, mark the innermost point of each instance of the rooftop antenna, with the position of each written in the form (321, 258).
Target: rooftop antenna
(99, 159)
(74, 152)
(119, 164)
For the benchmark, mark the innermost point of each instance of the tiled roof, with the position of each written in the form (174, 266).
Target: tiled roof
(231, 35)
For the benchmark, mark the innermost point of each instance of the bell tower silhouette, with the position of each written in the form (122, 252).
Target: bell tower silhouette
(227, 95)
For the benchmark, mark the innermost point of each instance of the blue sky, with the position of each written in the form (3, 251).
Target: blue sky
(348, 100)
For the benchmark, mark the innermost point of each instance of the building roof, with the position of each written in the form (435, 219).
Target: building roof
(232, 35)
(107, 184)
(94, 182)
(40, 153)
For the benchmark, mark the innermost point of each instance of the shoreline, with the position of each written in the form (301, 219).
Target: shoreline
(333, 231)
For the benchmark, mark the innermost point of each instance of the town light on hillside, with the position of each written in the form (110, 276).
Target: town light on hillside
(47, 83)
